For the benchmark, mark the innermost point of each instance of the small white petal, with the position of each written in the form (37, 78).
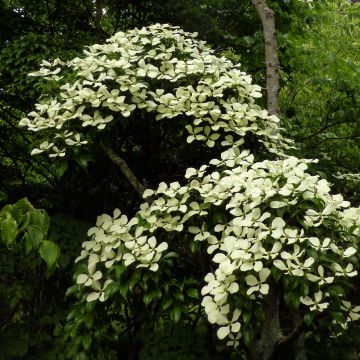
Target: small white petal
(82, 278)
(92, 296)
(349, 252)
(235, 327)
(306, 300)
(251, 280)
(162, 247)
(264, 289)
(223, 332)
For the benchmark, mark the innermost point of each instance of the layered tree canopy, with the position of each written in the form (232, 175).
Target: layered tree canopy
(251, 225)
(160, 70)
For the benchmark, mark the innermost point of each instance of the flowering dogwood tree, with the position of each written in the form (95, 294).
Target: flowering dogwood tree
(272, 232)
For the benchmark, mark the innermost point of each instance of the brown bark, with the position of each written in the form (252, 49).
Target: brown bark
(125, 169)
(267, 18)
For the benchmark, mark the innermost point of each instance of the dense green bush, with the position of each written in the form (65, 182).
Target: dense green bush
(27, 259)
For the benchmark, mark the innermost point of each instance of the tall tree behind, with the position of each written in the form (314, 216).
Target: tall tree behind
(267, 17)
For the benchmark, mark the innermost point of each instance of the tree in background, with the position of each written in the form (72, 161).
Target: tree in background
(320, 96)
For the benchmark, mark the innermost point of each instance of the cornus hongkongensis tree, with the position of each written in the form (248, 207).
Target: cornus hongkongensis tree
(270, 228)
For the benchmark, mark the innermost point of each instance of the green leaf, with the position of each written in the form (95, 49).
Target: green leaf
(24, 206)
(119, 270)
(308, 319)
(36, 235)
(151, 296)
(71, 290)
(60, 168)
(89, 320)
(144, 286)
(194, 246)
(329, 259)
(336, 290)
(124, 290)
(248, 337)
(166, 302)
(175, 313)
(40, 218)
(25, 221)
(246, 316)
(178, 295)
(86, 341)
(170, 255)
(27, 244)
(312, 253)
(111, 289)
(147, 298)
(9, 231)
(305, 287)
(134, 279)
(7, 209)
(18, 210)
(338, 316)
(193, 293)
(154, 276)
(49, 252)
(277, 274)
(296, 301)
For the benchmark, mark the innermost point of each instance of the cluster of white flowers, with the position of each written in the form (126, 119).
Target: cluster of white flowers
(280, 222)
(112, 241)
(349, 177)
(131, 71)
(275, 211)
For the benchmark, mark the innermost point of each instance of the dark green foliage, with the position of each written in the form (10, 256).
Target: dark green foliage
(179, 343)
(27, 259)
(33, 279)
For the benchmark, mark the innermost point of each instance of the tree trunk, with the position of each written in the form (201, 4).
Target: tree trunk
(267, 17)
(271, 334)
(125, 169)
(98, 17)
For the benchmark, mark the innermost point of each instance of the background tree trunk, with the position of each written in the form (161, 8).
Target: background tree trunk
(98, 17)
(267, 17)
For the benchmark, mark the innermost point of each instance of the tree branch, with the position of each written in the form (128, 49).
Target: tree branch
(350, 137)
(125, 169)
(286, 340)
(297, 331)
(267, 18)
